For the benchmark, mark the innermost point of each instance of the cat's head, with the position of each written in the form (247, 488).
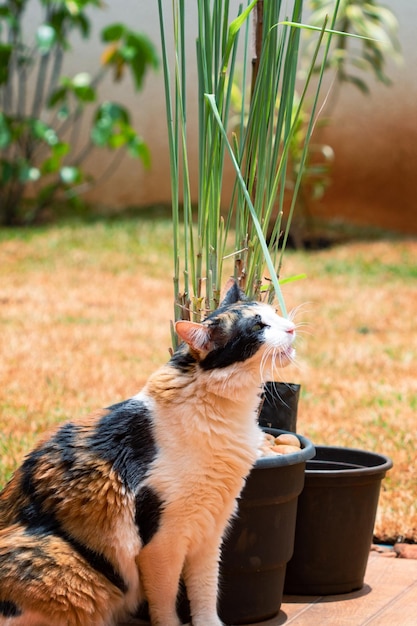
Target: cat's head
(238, 332)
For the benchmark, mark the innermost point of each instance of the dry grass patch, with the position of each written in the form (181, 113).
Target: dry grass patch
(85, 310)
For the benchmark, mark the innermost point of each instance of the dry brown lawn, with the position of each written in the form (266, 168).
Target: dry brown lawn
(84, 319)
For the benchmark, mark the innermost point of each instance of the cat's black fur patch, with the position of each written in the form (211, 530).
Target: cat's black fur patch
(65, 440)
(148, 513)
(39, 522)
(243, 344)
(9, 609)
(234, 294)
(124, 438)
(182, 359)
(28, 469)
(98, 562)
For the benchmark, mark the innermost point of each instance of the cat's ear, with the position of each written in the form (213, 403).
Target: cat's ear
(196, 335)
(232, 293)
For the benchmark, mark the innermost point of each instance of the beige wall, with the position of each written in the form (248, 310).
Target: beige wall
(374, 137)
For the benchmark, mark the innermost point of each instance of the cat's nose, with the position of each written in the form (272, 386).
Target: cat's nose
(290, 331)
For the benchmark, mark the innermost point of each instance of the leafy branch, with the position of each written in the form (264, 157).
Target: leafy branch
(42, 148)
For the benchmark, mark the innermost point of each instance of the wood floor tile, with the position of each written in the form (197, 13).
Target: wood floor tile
(388, 598)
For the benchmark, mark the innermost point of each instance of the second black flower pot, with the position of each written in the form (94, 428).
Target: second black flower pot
(335, 521)
(279, 406)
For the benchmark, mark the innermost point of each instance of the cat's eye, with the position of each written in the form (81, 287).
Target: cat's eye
(257, 327)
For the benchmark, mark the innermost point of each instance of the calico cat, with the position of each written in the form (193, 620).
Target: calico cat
(114, 509)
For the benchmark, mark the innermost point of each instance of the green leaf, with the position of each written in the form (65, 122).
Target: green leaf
(291, 279)
(63, 112)
(7, 171)
(113, 112)
(66, 82)
(54, 162)
(4, 11)
(5, 53)
(50, 165)
(85, 94)
(139, 53)
(113, 32)
(57, 96)
(238, 22)
(100, 133)
(5, 133)
(144, 47)
(64, 21)
(42, 131)
(80, 85)
(61, 149)
(234, 28)
(83, 24)
(74, 7)
(116, 141)
(357, 82)
(45, 38)
(138, 149)
(128, 53)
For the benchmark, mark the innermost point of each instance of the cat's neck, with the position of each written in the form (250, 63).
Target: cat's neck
(208, 408)
(231, 386)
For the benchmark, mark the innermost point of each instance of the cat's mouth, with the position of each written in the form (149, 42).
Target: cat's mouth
(287, 355)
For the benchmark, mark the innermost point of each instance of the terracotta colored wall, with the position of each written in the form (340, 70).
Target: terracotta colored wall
(375, 143)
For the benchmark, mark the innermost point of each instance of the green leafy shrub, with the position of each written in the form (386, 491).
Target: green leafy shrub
(356, 58)
(42, 110)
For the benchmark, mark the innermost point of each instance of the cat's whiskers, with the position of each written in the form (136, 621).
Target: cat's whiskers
(274, 393)
(268, 360)
(298, 309)
(268, 366)
(300, 326)
(304, 329)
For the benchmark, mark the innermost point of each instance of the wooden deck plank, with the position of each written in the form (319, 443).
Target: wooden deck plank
(401, 610)
(388, 583)
(388, 597)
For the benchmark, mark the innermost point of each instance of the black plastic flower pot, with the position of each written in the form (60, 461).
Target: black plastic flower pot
(261, 539)
(280, 405)
(335, 521)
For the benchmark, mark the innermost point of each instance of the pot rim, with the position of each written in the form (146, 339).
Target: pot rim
(306, 453)
(376, 462)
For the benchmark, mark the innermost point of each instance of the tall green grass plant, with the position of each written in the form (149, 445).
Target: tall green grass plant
(255, 135)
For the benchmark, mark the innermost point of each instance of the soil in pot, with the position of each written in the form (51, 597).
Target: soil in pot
(335, 521)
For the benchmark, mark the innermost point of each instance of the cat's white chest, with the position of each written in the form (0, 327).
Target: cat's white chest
(199, 472)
